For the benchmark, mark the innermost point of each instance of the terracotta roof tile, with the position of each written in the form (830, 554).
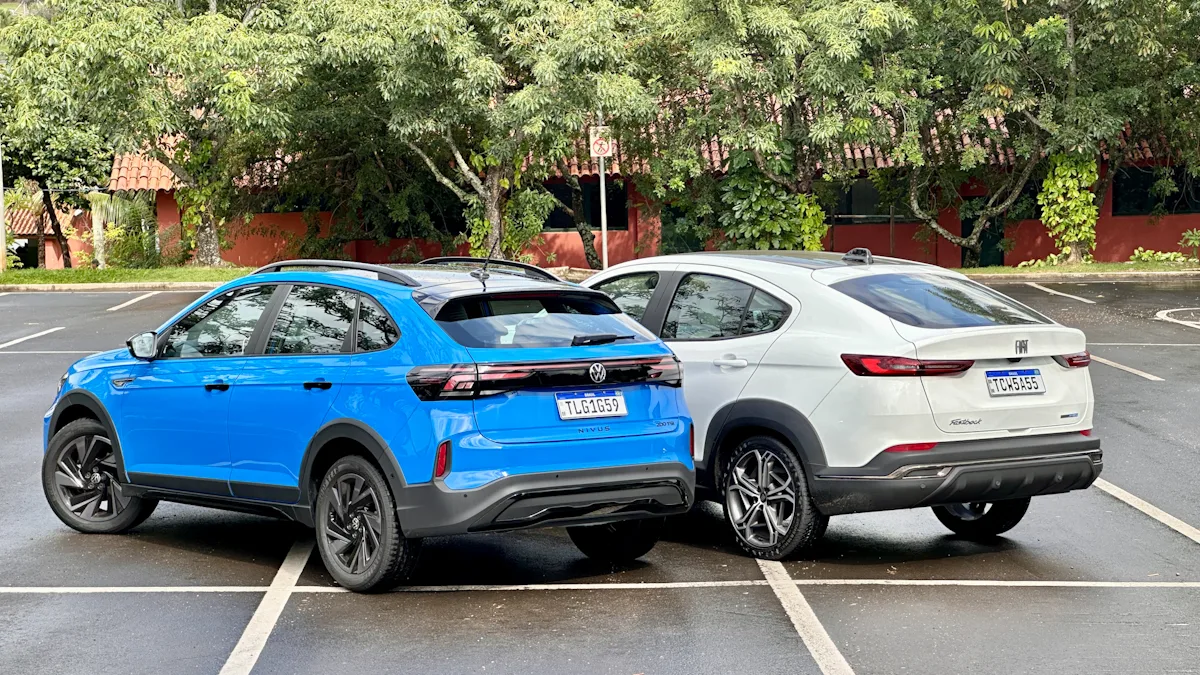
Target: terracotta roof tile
(136, 171)
(23, 223)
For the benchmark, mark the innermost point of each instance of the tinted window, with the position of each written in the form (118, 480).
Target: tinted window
(617, 199)
(375, 329)
(764, 314)
(631, 292)
(706, 307)
(935, 301)
(1141, 191)
(220, 327)
(536, 320)
(313, 320)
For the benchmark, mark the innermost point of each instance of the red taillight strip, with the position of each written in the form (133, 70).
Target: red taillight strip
(469, 380)
(899, 366)
(1078, 360)
(912, 447)
(441, 461)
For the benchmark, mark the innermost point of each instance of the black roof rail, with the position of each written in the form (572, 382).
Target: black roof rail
(860, 255)
(531, 271)
(383, 273)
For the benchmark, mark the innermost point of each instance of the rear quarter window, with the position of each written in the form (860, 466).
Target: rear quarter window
(537, 320)
(937, 301)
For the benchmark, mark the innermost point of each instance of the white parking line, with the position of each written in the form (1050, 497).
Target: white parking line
(30, 337)
(828, 657)
(1051, 291)
(1150, 510)
(1135, 371)
(476, 588)
(127, 303)
(1144, 344)
(1165, 315)
(69, 351)
(254, 638)
(87, 590)
(1025, 583)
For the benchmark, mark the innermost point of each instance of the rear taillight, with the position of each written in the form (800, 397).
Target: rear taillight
(900, 366)
(1086, 432)
(692, 439)
(441, 462)
(912, 447)
(666, 371)
(468, 380)
(434, 382)
(1080, 360)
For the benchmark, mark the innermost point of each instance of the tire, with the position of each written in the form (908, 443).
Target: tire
(787, 521)
(358, 531)
(982, 520)
(619, 542)
(82, 484)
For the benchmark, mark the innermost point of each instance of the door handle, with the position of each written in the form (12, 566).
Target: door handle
(319, 384)
(216, 386)
(730, 361)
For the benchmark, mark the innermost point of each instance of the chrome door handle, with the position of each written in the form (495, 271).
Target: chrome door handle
(731, 363)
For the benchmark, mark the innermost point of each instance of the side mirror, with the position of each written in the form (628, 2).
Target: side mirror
(143, 345)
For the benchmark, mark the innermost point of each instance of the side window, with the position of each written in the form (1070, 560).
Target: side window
(313, 320)
(706, 307)
(631, 292)
(220, 327)
(375, 329)
(764, 314)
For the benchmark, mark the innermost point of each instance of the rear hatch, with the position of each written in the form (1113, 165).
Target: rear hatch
(563, 365)
(1018, 370)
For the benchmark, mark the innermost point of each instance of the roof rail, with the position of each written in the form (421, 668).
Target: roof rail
(381, 272)
(531, 271)
(860, 255)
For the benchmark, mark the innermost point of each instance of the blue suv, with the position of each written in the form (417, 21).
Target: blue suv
(381, 405)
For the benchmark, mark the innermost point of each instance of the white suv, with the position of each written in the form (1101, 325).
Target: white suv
(823, 384)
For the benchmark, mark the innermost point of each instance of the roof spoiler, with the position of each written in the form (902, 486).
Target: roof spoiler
(382, 273)
(858, 256)
(527, 270)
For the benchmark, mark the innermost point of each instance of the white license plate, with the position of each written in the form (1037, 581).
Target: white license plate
(576, 405)
(1022, 382)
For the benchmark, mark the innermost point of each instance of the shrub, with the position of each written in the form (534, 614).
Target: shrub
(1142, 255)
(1068, 206)
(1191, 239)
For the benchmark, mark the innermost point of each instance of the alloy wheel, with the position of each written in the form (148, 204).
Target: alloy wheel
(761, 498)
(354, 528)
(969, 511)
(86, 479)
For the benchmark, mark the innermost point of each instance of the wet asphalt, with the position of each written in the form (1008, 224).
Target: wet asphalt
(895, 591)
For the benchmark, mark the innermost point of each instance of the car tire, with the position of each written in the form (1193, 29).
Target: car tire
(82, 483)
(358, 531)
(787, 521)
(619, 542)
(982, 520)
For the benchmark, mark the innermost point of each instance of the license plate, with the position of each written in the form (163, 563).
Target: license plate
(576, 405)
(1015, 382)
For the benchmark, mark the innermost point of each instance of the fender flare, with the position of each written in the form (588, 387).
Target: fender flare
(779, 418)
(346, 428)
(86, 399)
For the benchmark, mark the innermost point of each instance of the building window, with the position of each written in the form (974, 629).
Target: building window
(1144, 191)
(861, 203)
(618, 197)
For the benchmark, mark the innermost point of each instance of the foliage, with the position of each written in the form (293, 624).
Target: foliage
(1056, 259)
(1191, 239)
(1069, 211)
(89, 275)
(1142, 255)
(131, 239)
(760, 214)
(11, 261)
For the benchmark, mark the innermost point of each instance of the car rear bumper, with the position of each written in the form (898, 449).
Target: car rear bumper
(962, 471)
(580, 497)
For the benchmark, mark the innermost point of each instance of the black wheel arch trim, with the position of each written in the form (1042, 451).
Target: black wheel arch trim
(86, 399)
(773, 416)
(354, 430)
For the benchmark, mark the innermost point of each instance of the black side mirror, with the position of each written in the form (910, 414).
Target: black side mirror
(143, 345)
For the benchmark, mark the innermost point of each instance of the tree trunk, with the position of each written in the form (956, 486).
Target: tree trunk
(579, 218)
(1075, 257)
(208, 243)
(98, 253)
(41, 244)
(64, 248)
(972, 255)
(493, 213)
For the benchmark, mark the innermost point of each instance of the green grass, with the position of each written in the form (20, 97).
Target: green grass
(95, 276)
(1091, 268)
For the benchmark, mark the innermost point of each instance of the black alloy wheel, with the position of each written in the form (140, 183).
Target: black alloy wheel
(82, 484)
(982, 520)
(767, 504)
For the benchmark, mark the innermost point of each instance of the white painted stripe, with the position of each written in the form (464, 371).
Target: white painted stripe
(87, 590)
(254, 638)
(991, 583)
(1135, 371)
(828, 657)
(1165, 315)
(4, 294)
(85, 351)
(30, 337)
(1144, 344)
(1051, 291)
(472, 588)
(127, 303)
(1150, 510)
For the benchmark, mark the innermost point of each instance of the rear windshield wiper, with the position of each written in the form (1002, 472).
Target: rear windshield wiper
(598, 339)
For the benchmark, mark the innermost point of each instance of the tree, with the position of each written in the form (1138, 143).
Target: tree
(476, 88)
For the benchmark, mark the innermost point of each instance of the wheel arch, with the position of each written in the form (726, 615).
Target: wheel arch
(749, 417)
(337, 439)
(82, 404)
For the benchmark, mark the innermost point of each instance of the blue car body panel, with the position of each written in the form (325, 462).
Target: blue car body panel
(254, 440)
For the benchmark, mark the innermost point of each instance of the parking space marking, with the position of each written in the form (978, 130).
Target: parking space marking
(1150, 510)
(88, 590)
(254, 638)
(993, 583)
(1165, 315)
(127, 303)
(1135, 371)
(1051, 291)
(58, 351)
(822, 647)
(1144, 344)
(30, 337)
(634, 586)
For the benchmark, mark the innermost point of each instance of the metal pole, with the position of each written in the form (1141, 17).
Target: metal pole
(603, 207)
(3, 222)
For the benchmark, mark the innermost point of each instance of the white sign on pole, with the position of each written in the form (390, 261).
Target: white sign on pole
(599, 142)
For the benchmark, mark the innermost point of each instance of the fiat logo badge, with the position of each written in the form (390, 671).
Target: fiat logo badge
(597, 372)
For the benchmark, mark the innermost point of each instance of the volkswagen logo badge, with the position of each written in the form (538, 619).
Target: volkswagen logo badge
(597, 372)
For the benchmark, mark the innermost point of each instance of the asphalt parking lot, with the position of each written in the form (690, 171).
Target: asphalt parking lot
(1101, 581)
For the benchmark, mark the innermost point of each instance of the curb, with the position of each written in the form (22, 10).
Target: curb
(118, 286)
(1182, 275)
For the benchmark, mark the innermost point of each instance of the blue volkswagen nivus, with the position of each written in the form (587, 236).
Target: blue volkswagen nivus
(382, 405)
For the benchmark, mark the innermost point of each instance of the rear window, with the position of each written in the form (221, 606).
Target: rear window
(936, 301)
(538, 320)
